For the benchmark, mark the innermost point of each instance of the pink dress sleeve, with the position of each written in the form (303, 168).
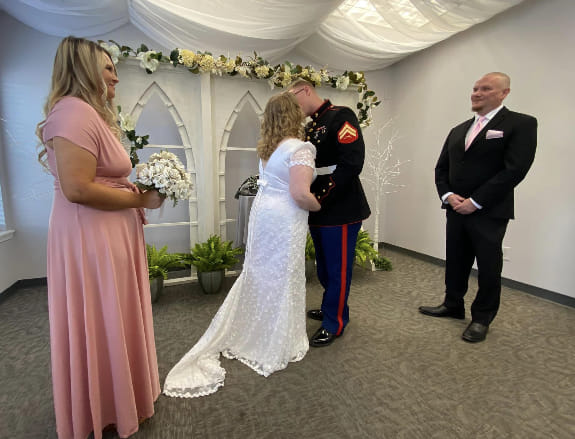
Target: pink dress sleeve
(76, 121)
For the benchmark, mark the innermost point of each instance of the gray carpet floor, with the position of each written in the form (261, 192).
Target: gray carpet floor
(394, 374)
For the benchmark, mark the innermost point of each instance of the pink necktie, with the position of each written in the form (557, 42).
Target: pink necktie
(478, 126)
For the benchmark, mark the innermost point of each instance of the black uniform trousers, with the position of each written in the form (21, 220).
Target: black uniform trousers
(474, 237)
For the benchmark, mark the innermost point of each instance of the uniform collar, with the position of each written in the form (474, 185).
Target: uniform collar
(322, 109)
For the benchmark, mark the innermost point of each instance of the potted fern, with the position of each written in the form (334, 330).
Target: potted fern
(309, 257)
(365, 253)
(159, 263)
(211, 259)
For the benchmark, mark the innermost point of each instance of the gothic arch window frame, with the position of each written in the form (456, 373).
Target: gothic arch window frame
(5, 232)
(153, 89)
(246, 99)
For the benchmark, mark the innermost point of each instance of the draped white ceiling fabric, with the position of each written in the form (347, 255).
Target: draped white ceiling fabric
(339, 34)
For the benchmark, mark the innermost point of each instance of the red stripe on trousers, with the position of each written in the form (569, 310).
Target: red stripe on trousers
(343, 285)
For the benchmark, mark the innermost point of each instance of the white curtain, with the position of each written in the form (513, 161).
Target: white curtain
(69, 17)
(346, 39)
(342, 34)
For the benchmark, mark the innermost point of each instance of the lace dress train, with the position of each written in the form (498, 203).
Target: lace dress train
(262, 320)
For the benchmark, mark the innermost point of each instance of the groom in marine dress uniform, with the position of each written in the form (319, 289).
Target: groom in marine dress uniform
(336, 134)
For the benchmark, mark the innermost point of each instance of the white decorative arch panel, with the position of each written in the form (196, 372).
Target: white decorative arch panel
(204, 110)
(243, 155)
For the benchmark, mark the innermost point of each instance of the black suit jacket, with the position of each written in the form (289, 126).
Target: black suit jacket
(491, 167)
(337, 136)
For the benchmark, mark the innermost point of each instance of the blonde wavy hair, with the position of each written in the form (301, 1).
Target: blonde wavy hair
(77, 72)
(283, 118)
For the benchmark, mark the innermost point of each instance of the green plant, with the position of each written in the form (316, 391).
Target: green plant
(382, 263)
(256, 67)
(160, 261)
(309, 249)
(365, 252)
(213, 255)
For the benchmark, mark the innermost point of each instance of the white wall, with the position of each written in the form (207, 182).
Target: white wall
(428, 94)
(24, 83)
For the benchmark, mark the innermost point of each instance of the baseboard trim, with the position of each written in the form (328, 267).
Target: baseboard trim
(23, 283)
(417, 255)
(510, 283)
(552, 296)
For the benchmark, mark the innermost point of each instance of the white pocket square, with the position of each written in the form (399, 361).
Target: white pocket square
(493, 134)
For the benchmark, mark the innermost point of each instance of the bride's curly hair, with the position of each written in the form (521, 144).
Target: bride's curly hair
(283, 118)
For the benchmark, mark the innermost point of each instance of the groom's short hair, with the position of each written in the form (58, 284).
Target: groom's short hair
(300, 83)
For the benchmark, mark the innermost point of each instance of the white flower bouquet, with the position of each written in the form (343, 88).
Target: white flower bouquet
(165, 173)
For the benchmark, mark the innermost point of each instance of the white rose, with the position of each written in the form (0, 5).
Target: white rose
(160, 181)
(243, 71)
(113, 50)
(126, 122)
(147, 62)
(143, 174)
(342, 82)
(262, 71)
(175, 174)
(316, 78)
(158, 167)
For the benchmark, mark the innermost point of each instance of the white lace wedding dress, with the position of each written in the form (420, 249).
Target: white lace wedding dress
(262, 320)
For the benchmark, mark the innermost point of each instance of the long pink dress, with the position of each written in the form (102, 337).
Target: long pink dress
(104, 366)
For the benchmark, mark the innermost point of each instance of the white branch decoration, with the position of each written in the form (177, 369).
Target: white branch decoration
(381, 171)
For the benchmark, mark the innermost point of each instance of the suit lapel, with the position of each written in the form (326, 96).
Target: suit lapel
(497, 118)
(464, 128)
(492, 123)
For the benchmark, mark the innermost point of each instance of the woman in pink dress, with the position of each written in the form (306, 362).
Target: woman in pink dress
(104, 366)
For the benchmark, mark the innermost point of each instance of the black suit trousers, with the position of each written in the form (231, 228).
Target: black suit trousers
(469, 238)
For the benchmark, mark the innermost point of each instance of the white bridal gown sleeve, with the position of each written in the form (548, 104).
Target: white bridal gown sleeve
(262, 320)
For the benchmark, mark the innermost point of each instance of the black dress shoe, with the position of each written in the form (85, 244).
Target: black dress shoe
(475, 332)
(442, 311)
(321, 338)
(316, 314)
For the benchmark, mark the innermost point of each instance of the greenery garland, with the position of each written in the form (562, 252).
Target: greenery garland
(128, 127)
(280, 75)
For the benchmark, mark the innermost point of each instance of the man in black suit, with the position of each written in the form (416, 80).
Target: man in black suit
(481, 162)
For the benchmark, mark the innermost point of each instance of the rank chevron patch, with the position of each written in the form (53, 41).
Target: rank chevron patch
(347, 133)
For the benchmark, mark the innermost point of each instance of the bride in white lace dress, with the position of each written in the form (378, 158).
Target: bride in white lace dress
(262, 320)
